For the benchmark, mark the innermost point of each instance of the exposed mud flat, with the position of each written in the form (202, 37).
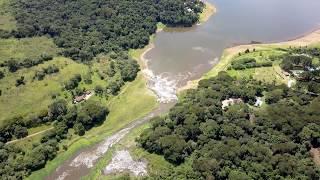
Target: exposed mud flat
(123, 162)
(80, 165)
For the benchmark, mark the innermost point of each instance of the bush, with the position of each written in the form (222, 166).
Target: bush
(1, 75)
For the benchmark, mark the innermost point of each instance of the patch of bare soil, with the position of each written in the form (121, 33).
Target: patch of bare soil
(123, 162)
(315, 153)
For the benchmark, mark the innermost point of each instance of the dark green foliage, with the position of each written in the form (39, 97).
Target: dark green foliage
(20, 81)
(73, 82)
(293, 62)
(128, 69)
(301, 59)
(57, 108)
(274, 96)
(1, 74)
(103, 26)
(114, 87)
(239, 142)
(5, 34)
(13, 65)
(39, 75)
(79, 129)
(98, 90)
(247, 63)
(20, 131)
(17, 163)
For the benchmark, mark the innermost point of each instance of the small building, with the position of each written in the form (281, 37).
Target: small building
(230, 101)
(85, 96)
(297, 73)
(285, 73)
(258, 102)
(78, 99)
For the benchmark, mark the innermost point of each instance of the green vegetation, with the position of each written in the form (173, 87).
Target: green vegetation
(80, 118)
(20, 101)
(27, 48)
(102, 26)
(7, 21)
(124, 108)
(205, 141)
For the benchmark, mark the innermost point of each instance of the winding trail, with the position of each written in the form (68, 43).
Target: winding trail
(29, 136)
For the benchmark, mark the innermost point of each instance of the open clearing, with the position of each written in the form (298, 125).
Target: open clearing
(123, 162)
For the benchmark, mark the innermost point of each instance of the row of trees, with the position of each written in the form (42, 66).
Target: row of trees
(239, 142)
(51, 69)
(17, 163)
(247, 63)
(102, 26)
(15, 64)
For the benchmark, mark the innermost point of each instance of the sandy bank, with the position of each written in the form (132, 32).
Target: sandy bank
(208, 11)
(229, 53)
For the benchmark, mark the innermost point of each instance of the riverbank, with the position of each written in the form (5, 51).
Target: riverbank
(124, 109)
(229, 53)
(139, 54)
(207, 12)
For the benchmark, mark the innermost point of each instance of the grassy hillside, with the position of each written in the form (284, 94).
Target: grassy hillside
(134, 101)
(26, 48)
(7, 21)
(20, 101)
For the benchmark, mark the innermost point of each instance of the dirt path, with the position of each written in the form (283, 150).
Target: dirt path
(29, 136)
(315, 153)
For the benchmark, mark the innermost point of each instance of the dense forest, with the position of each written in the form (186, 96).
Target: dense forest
(239, 141)
(85, 28)
(97, 33)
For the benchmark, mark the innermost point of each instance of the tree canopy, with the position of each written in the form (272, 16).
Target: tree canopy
(85, 28)
(239, 142)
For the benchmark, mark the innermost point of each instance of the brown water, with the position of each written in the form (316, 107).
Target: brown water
(185, 54)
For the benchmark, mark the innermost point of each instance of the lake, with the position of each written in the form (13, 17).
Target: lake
(185, 54)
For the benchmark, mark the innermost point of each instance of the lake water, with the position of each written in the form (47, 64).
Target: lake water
(185, 54)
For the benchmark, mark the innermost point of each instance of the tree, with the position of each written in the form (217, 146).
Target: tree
(98, 90)
(57, 108)
(13, 65)
(20, 131)
(79, 129)
(1, 75)
(274, 96)
(20, 81)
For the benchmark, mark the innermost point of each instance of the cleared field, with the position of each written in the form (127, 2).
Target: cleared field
(7, 22)
(26, 48)
(35, 96)
(265, 74)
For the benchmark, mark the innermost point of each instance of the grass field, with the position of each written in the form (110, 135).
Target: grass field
(266, 74)
(35, 96)
(26, 48)
(7, 22)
